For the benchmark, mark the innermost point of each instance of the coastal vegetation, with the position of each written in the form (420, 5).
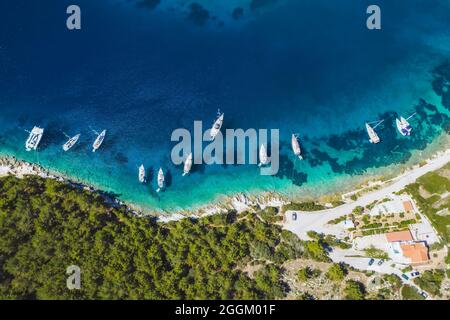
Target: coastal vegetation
(303, 206)
(304, 274)
(47, 226)
(431, 281)
(410, 293)
(354, 290)
(336, 272)
(375, 253)
(428, 192)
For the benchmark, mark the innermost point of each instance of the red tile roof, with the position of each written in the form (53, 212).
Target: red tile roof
(417, 252)
(399, 236)
(407, 205)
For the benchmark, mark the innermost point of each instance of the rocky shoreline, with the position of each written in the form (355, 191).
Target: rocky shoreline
(12, 166)
(240, 202)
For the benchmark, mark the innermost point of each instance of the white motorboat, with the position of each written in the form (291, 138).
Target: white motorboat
(187, 164)
(263, 159)
(71, 142)
(161, 180)
(296, 146)
(142, 174)
(217, 126)
(34, 139)
(98, 142)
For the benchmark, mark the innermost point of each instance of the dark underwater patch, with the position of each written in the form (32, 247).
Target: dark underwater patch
(198, 14)
(148, 4)
(288, 171)
(441, 83)
(237, 13)
(258, 4)
(121, 158)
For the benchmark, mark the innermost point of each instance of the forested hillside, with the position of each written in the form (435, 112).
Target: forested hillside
(46, 226)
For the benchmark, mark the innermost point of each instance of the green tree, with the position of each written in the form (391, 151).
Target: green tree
(410, 293)
(354, 290)
(336, 272)
(304, 274)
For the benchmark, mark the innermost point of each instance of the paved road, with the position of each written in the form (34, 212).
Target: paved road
(317, 220)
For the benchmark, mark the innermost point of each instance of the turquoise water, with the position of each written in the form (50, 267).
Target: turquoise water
(141, 69)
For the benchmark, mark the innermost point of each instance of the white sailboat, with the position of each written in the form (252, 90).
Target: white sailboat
(34, 139)
(217, 126)
(187, 164)
(263, 159)
(142, 174)
(98, 142)
(296, 146)
(71, 142)
(403, 125)
(160, 180)
(373, 136)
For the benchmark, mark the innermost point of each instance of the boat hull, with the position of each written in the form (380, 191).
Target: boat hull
(296, 147)
(71, 143)
(216, 127)
(99, 141)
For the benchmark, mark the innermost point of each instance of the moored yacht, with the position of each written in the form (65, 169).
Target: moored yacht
(34, 139)
(142, 174)
(98, 142)
(373, 136)
(187, 164)
(403, 126)
(296, 146)
(161, 180)
(263, 159)
(71, 142)
(217, 126)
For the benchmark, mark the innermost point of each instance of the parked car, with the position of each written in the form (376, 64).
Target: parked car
(424, 294)
(371, 261)
(380, 262)
(404, 276)
(294, 216)
(414, 274)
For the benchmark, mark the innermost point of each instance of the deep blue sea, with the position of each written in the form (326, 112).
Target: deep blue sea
(142, 68)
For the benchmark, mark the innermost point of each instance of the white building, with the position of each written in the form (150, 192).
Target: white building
(423, 232)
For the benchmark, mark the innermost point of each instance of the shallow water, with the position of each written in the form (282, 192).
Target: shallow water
(141, 69)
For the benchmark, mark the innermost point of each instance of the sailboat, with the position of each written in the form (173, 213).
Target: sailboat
(373, 136)
(34, 139)
(187, 164)
(142, 174)
(71, 142)
(296, 146)
(160, 180)
(263, 159)
(217, 125)
(403, 125)
(98, 142)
